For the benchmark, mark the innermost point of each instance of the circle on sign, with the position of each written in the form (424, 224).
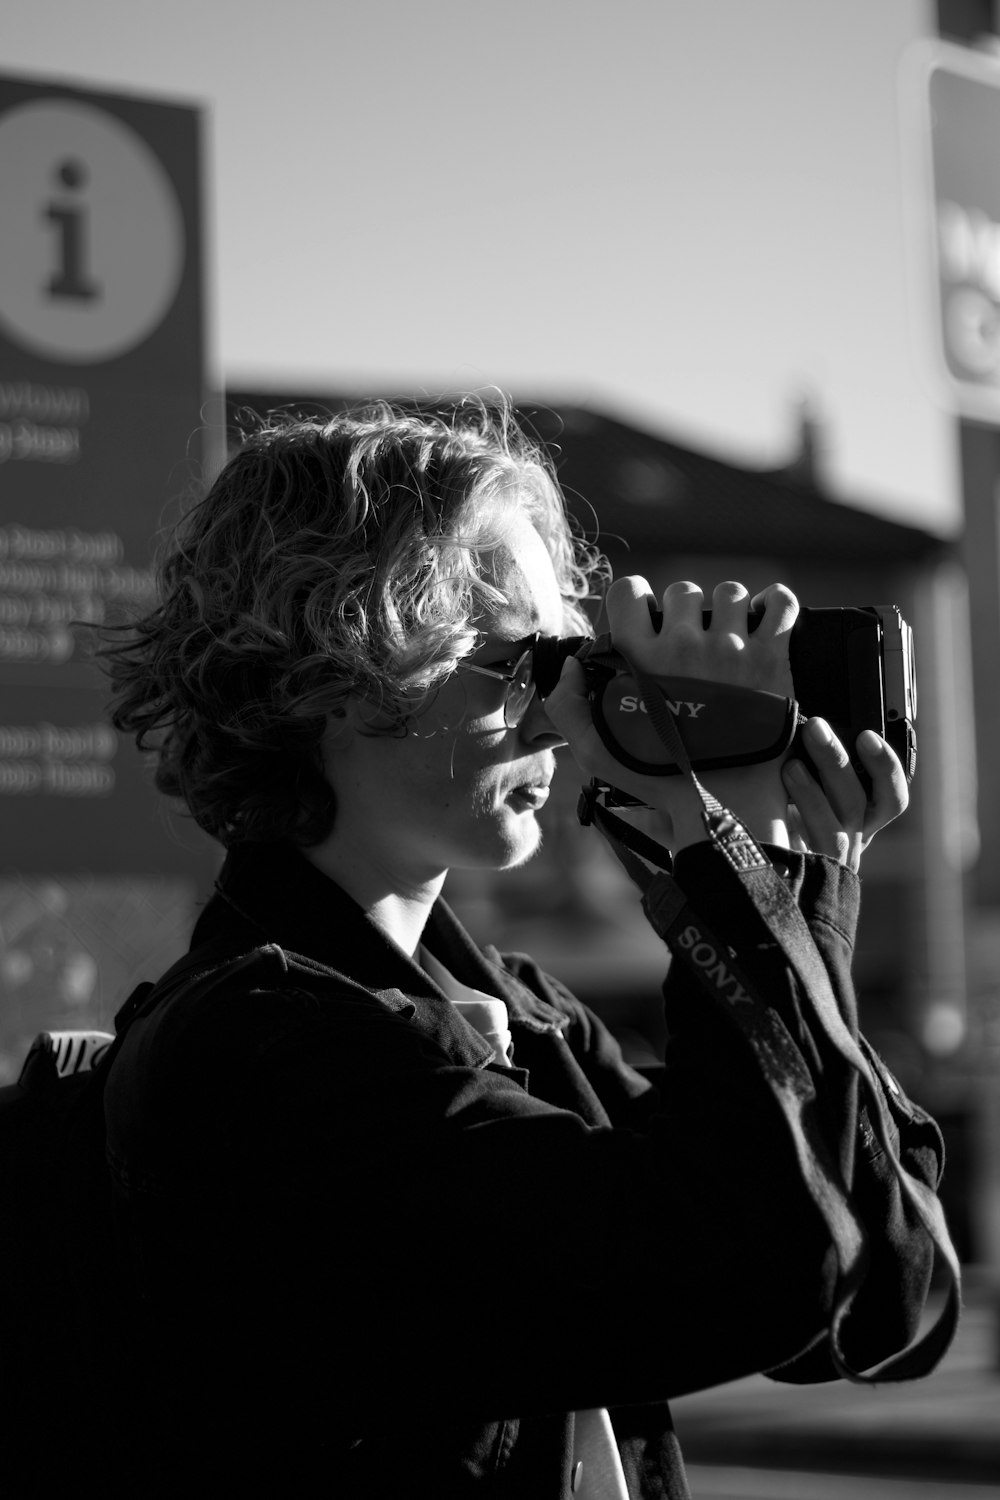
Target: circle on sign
(91, 236)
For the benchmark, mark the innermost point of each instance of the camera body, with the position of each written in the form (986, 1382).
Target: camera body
(856, 668)
(853, 667)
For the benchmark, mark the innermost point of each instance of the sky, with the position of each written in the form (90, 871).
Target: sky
(689, 215)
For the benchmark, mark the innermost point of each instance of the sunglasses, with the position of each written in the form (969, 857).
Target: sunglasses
(520, 679)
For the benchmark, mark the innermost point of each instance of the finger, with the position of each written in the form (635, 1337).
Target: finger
(567, 705)
(815, 821)
(797, 839)
(778, 608)
(890, 794)
(837, 776)
(630, 604)
(683, 604)
(730, 603)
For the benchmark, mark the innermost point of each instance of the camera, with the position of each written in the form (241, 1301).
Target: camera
(853, 667)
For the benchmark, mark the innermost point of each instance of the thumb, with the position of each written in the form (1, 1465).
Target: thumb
(567, 704)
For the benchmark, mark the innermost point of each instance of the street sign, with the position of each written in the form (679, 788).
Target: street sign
(952, 101)
(102, 425)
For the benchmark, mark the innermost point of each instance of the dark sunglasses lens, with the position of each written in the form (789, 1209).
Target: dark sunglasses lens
(520, 691)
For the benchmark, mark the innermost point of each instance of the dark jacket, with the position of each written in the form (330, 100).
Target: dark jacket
(361, 1259)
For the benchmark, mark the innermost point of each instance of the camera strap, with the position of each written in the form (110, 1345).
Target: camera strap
(748, 877)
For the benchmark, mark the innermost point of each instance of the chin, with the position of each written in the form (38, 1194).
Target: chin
(504, 853)
(523, 849)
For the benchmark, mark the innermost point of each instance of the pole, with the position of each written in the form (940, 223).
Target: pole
(967, 22)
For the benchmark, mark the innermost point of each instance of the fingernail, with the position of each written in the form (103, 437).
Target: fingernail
(796, 771)
(872, 742)
(820, 731)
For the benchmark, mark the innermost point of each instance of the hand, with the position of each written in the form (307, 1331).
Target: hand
(725, 652)
(834, 816)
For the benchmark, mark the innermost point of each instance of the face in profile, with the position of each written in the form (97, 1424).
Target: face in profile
(460, 789)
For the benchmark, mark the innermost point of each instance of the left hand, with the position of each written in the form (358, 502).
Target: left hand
(834, 816)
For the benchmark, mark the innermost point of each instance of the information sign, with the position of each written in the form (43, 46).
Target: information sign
(956, 91)
(102, 428)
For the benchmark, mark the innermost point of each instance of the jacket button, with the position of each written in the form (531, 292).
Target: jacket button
(574, 1483)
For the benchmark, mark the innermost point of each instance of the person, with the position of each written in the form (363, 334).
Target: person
(392, 1213)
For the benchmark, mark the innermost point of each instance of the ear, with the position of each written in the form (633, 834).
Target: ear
(359, 716)
(339, 731)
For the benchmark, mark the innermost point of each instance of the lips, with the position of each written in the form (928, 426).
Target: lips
(531, 798)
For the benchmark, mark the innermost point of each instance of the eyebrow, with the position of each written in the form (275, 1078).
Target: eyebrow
(504, 650)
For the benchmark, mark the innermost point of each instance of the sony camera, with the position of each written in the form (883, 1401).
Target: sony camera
(853, 667)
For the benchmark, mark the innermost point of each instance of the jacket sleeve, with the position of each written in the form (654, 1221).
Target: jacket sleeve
(886, 1312)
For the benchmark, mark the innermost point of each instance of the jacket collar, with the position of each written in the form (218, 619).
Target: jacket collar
(271, 894)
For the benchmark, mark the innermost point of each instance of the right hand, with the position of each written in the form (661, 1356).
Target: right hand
(726, 652)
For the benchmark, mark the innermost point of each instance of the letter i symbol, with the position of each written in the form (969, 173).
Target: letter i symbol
(71, 278)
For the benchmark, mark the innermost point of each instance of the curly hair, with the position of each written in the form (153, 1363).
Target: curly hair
(331, 557)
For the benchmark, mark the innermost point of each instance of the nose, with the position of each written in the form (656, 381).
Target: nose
(536, 728)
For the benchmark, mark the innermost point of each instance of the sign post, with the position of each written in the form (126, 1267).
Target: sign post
(102, 429)
(959, 89)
